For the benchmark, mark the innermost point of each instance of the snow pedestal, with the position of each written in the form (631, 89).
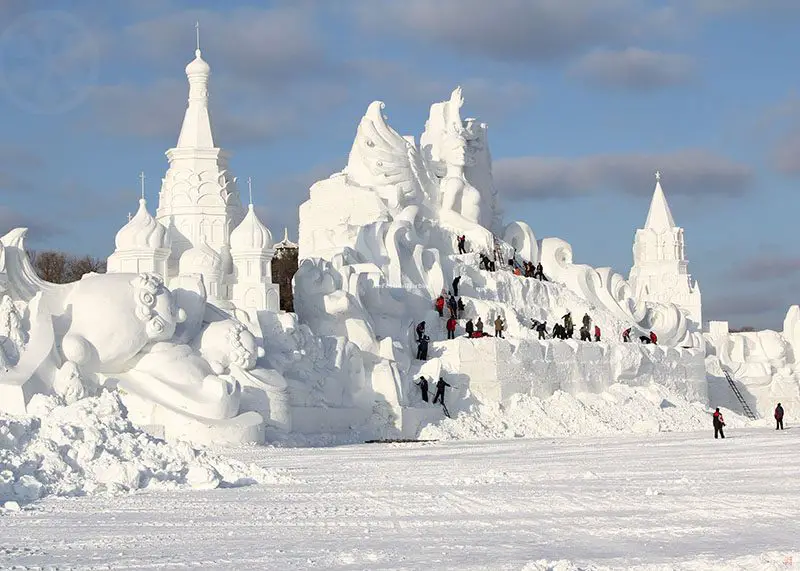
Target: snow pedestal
(246, 428)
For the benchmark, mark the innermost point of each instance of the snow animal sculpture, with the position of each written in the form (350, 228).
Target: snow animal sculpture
(131, 343)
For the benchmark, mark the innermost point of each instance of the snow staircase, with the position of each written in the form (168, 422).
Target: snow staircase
(745, 407)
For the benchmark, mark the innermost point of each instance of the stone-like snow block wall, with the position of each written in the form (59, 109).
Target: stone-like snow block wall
(494, 369)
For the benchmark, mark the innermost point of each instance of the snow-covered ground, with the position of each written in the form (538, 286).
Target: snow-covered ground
(663, 501)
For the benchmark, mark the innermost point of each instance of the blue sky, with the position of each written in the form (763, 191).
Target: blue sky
(585, 99)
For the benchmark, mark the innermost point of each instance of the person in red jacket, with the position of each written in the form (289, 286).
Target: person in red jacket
(653, 337)
(626, 335)
(596, 333)
(439, 305)
(719, 422)
(779, 417)
(451, 328)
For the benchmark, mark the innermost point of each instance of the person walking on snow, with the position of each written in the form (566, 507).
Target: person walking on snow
(440, 305)
(452, 305)
(498, 327)
(597, 333)
(461, 308)
(456, 280)
(653, 338)
(540, 271)
(779, 417)
(584, 331)
(626, 335)
(541, 328)
(586, 320)
(469, 328)
(422, 348)
(462, 241)
(719, 422)
(420, 330)
(439, 396)
(451, 328)
(479, 327)
(422, 383)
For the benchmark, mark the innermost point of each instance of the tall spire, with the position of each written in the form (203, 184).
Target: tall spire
(196, 132)
(659, 217)
(141, 177)
(250, 189)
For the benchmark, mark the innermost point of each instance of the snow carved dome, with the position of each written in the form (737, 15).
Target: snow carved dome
(142, 232)
(202, 259)
(198, 66)
(251, 234)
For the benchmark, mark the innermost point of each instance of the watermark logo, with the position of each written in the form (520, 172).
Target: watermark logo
(48, 62)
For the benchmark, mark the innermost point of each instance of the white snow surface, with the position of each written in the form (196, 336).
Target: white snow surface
(647, 502)
(89, 446)
(617, 410)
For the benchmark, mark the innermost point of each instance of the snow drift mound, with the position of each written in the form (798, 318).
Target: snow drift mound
(89, 446)
(619, 409)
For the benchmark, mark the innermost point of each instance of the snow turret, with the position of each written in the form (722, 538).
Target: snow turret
(252, 251)
(142, 245)
(660, 268)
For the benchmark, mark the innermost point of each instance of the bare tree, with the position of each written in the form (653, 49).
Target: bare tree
(284, 266)
(60, 268)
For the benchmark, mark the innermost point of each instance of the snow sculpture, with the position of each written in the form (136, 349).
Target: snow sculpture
(131, 344)
(660, 269)
(604, 288)
(765, 362)
(252, 251)
(142, 245)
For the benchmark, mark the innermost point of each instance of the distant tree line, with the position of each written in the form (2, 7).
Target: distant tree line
(62, 268)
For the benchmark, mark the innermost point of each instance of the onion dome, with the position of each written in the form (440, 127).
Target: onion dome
(251, 234)
(142, 232)
(198, 66)
(202, 259)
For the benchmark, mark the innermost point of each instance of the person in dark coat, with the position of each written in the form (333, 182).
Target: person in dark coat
(779, 417)
(422, 383)
(455, 285)
(558, 331)
(719, 422)
(469, 328)
(422, 348)
(452, 305)
(420, 330)
(462, 244)
(586, 320)
(584, 331)
(479, 327)
(540, 271)
(626, 335)
(568, 324)
(541, 328)
(461, 308)
(439, 396)
(451, 328)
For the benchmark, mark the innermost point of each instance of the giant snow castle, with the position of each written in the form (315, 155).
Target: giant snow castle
(186, 325)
